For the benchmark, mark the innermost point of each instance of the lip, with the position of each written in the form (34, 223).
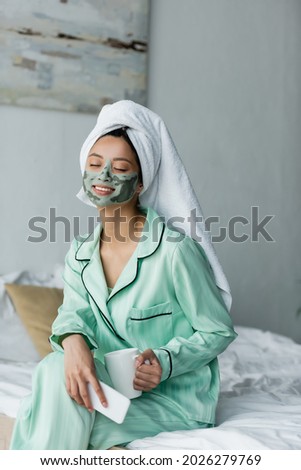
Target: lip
(102, 192)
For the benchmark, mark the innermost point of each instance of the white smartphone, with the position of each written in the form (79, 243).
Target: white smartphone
(118, 404)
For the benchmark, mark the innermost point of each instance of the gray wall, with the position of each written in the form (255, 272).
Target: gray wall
(39, 153)
(225, 76)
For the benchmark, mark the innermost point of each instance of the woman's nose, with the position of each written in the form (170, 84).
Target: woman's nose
(106, 175)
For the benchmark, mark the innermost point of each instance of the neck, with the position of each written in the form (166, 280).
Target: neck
(121, 224)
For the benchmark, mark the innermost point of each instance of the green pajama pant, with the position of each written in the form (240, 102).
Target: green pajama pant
(50, 419)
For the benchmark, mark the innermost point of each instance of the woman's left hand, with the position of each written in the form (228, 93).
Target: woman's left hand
(148, 376)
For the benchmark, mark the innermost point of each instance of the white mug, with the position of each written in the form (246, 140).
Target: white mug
(120, 365)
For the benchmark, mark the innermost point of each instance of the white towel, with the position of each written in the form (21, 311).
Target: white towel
(163, 173)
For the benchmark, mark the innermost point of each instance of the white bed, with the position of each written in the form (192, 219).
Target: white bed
(260, 400)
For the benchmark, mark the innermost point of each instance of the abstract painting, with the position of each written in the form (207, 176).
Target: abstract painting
(73, 55)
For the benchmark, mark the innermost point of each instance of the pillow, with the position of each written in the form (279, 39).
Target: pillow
(37, 307)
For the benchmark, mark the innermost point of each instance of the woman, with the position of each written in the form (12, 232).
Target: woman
(133, 282)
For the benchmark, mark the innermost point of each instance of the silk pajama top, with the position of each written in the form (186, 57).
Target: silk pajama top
(165, 299)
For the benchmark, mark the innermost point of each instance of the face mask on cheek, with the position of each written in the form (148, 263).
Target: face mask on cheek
(122, 186)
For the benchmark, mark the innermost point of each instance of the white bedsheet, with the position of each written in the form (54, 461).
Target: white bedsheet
(15, 343)
(259, 406)
(260, 401)
(15, 383)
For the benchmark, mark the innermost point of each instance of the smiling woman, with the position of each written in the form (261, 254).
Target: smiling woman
(132, 283)
(112, 170)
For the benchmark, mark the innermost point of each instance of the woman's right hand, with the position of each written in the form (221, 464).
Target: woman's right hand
(80, 370)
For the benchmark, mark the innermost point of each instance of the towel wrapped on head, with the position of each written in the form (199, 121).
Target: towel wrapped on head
(166, 185)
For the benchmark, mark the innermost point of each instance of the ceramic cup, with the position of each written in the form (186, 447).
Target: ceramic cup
(121, 368)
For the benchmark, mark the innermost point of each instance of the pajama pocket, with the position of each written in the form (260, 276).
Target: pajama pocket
(151, 327)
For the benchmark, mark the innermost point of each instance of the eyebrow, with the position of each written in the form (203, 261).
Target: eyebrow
(114, 159)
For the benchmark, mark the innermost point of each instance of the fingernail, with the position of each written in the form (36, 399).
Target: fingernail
(104, 403)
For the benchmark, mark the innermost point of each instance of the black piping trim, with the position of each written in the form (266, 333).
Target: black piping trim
(170, 361)
(102, 314)
(153, 316)
(82, 259)
(124, 286)
(136, 268)
(159, 243)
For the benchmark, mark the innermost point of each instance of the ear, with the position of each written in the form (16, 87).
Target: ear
(139, 188)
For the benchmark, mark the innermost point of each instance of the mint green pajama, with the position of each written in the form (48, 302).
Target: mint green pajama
(59, 423)
(165, 299)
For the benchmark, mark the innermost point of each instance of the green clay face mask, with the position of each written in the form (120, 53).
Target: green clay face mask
(121, 188)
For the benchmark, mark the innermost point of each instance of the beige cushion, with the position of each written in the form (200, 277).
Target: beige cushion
(37, 307)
